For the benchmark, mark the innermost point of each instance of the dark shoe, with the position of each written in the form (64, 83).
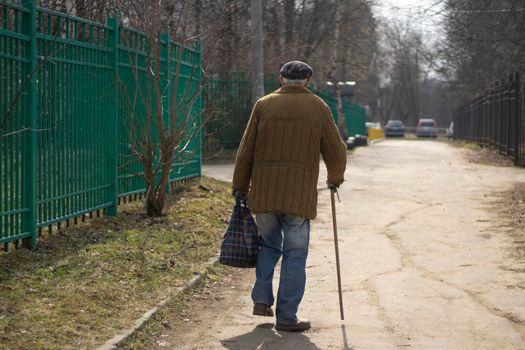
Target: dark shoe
(260, 309)
(298, 326)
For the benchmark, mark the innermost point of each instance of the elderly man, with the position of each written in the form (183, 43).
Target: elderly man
(277, 167)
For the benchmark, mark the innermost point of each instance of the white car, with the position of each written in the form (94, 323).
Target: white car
(426, 127)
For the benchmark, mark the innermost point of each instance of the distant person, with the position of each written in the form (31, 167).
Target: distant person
(277, 167)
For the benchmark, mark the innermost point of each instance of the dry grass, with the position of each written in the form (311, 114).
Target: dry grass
(511, 206)
(465, 144)
(83, 285)
(481, 155)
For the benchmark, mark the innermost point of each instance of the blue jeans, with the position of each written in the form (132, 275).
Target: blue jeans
(287, 236)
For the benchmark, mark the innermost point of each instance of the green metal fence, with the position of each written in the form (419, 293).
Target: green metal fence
(63, 129)
(355, 115)
(228, 104)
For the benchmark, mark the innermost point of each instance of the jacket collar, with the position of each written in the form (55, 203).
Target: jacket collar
(293, 89)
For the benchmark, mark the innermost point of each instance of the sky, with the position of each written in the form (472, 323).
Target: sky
(422, 14)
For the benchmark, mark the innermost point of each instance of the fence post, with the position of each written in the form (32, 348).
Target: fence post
(30, 122)
(113, 114)
(516, 110)
(520, 124)
(200, 114)
(518, 136)
(166, 57)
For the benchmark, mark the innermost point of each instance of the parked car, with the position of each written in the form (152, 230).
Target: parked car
(395, 128)
(426, 128)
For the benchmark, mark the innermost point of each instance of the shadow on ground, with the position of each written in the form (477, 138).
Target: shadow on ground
(264, 337)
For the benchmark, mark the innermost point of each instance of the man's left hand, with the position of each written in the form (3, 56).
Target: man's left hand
(239, 194)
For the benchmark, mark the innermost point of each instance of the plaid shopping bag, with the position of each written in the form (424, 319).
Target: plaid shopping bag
(240, 243)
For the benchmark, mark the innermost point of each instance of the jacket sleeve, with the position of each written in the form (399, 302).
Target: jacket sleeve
(333, 149)
(244, 160)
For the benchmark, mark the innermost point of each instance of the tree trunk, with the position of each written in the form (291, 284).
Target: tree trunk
(197, 18)
(339, 61)
(154, 203)
(289, 15)
(80, 6)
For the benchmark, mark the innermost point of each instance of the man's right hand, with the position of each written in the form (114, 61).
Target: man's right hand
(332, 186)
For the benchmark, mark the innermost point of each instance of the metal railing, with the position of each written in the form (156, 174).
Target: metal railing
(62, 131)
(496, 119)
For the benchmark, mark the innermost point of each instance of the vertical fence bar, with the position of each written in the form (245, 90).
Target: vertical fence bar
(200, 115)
(497, 117)
(520, 123)
(483, 119)
(506, 116)
(165, 56)
(30, 115)
(513, 116)
(493, 117)
(501, 116)
(113, 111)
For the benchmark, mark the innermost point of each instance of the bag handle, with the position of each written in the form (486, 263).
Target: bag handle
(238, 202)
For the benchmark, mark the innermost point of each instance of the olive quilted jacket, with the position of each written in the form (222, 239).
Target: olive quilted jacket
(278, 159)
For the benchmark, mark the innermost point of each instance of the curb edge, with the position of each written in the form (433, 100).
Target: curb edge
(377, 140)
(112, 343)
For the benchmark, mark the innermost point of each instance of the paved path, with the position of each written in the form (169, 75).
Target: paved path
(426, 263)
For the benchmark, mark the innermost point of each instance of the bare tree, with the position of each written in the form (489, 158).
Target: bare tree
(402, 72)
(485, 40)
(158, 104)
(338, 63)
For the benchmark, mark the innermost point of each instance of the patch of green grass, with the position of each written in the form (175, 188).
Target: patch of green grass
(85, 284)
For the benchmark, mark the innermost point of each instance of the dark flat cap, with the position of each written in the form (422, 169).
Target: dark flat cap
(296, 70)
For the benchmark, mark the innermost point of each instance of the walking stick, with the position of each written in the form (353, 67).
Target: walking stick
(333, 190)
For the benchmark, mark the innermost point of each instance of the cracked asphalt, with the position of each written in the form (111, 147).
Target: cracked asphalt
(426, 262)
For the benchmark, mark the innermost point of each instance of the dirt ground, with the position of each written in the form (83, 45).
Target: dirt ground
(432, 258)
